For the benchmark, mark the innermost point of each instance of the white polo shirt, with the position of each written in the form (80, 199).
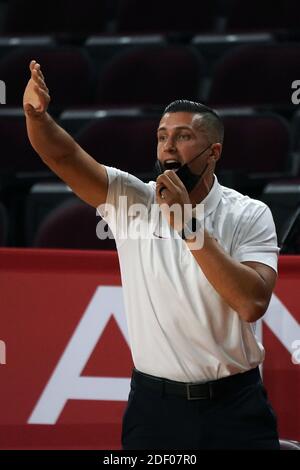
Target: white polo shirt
(179, 327)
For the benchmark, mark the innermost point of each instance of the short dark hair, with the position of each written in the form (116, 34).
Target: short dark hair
(212, 123)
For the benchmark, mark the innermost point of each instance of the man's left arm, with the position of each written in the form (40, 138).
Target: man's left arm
(245, 286)
(244, 280)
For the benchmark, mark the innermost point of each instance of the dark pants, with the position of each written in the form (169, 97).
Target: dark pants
(239, 416)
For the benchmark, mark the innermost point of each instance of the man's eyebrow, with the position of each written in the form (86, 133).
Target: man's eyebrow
(176, 127)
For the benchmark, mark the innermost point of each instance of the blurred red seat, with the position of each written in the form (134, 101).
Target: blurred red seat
(151, 76)
(72, 225)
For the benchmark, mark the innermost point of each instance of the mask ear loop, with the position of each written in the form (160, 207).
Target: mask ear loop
(158, 168)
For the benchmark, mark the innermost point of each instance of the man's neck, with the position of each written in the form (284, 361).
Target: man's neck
(199, 193)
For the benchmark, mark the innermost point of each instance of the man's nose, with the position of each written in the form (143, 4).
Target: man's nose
(169, 145)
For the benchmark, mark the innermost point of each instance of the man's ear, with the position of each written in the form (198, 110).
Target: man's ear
(216, 150)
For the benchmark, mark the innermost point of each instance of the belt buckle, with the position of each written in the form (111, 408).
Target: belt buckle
(189, 397)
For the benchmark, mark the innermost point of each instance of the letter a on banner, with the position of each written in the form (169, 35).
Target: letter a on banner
(65, 382)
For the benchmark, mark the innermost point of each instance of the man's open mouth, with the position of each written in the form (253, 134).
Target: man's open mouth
(172, 165)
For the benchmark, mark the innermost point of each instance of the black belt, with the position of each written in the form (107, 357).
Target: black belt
(197, 391)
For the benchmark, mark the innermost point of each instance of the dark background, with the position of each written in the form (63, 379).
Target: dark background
(113, 65)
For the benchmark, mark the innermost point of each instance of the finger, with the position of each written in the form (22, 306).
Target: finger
(37, 67)
(28, 108)
(165, 188)
(42, 84)
(175, 179)
(34, 76)
(163, 183)
(44, 99)
(31, 65)
(38, 80)
(41, 92)
(40, 72)
(31, 111)
(166, 179)
(161, 191)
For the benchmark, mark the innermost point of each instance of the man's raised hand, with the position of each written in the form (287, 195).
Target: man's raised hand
(36, 96)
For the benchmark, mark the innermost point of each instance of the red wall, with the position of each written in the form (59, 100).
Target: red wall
(54, 315)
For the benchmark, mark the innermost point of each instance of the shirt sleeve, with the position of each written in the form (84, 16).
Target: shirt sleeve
(256, 238)
(124, 191)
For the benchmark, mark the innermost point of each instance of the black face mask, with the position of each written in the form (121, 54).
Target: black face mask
(189, 179)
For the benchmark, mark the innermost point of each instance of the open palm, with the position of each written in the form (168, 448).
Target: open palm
(36, 95)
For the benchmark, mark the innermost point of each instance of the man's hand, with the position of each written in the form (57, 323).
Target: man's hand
(36, 96)
(176, 195)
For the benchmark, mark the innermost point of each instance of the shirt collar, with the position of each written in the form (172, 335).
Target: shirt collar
(212, 199)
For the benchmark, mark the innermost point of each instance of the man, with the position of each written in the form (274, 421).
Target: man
(191, 308)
